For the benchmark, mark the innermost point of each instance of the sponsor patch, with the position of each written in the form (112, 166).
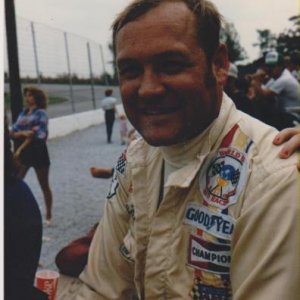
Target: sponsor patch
(224, 177)
(217, 224)
(113, 185)
(201, 291)
(130, 211)
(125, 253)
(121, 164)
(208, 256)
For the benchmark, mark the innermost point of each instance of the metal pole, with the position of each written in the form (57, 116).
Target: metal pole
(69, 71)
(91, 75)
(35, 54)
(16, 99)
(104, 69)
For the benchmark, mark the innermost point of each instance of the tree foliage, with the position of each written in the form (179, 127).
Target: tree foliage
(289, 40)
(286, 42)
(230, 37)
(266, 40)
(115, 78)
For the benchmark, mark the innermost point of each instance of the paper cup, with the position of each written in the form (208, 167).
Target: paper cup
(46, 281)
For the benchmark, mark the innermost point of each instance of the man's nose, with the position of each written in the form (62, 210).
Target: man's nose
(150, 85)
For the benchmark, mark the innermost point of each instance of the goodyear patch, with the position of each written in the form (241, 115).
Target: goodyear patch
(209, 256)
(224, 177)
(217, 224)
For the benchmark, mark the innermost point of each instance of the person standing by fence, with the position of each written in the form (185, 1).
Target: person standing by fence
(30, 133)
(109, 107)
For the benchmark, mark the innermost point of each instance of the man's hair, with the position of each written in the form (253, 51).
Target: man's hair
(108, 92)
(39, 96)
(208, 18)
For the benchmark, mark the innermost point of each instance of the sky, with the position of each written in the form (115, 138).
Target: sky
(92, 18)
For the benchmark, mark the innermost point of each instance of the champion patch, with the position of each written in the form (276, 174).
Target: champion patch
(208, 256)
(224, 177)
(216, 224)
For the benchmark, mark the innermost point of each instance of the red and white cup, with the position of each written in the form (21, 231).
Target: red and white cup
(46, 281)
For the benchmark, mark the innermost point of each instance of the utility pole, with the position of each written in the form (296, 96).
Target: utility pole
(16, 98)
(91, 74)
(103, 64)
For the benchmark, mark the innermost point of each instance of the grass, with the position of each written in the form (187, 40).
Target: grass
(56, 100)
(51, 100)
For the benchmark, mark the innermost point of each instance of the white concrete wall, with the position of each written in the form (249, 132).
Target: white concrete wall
(62, 126)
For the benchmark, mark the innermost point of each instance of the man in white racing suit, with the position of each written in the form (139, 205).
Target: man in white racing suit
(200, 207)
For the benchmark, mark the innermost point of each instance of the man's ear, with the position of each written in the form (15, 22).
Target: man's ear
(221, 64)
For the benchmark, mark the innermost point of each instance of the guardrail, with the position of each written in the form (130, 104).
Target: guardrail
(61, 126)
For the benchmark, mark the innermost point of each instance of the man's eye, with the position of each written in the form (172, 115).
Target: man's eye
(172, 67)
(129, 72)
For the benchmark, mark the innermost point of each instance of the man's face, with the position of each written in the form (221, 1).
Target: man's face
(168, 89)
(275, 71)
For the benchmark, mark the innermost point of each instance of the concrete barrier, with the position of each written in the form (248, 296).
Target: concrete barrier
(61, 126)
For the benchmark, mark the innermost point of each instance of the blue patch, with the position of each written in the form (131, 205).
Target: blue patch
(201, 291)
(224, 178)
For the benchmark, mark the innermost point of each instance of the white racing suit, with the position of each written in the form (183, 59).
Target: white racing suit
(227, 228)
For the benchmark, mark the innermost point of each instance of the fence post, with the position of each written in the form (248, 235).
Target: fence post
(91, 74)
(69, 72)
(102, 59)
(16, 98)
(35, 54)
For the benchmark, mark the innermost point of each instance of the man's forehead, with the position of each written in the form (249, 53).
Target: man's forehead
(167, 18)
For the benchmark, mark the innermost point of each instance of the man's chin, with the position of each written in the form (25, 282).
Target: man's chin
(159, 141)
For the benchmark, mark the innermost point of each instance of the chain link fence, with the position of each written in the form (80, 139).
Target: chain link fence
(70, 68)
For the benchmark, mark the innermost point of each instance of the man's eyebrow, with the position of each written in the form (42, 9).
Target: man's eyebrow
(164, 55)
(125, 61)
(171, 54)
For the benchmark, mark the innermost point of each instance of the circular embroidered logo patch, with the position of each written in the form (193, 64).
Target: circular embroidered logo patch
(224, 177)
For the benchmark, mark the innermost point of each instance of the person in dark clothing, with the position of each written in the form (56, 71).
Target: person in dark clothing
(109, 107)
(22, 234)
(236, 88)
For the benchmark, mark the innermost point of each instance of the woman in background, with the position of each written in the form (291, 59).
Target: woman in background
(30, 133)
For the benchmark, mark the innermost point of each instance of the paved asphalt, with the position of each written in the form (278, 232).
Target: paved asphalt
(82, 97)
(78, 198)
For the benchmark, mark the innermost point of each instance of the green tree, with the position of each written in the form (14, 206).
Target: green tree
(289, 40)
(230, 37)
(266, 40)
(285, 43)
(114, 78)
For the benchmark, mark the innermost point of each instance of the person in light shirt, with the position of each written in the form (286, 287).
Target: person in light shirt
(109, 106)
